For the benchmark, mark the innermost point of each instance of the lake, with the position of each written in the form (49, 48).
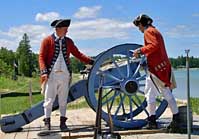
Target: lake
(181, 78)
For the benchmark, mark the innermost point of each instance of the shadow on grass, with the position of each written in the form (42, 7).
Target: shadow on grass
(16, 94)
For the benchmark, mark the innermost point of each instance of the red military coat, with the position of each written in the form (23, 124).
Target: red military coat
(49, 53)
(157, 59)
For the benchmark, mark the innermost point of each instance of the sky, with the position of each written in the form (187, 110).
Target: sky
(97, 25)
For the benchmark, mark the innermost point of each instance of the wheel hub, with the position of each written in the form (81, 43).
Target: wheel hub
(131, 87)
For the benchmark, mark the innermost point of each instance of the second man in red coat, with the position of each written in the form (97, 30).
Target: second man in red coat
(159, 79)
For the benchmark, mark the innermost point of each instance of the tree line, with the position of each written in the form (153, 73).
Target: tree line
(180, 62)
(24, 62)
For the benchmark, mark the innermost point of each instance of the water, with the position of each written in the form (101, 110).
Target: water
(181, 78)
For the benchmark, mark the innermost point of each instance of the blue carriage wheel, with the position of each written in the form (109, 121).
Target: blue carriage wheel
(123, 87)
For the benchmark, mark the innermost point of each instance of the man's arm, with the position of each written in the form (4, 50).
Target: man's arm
(152, 43)
(42, 58)
(75, 51)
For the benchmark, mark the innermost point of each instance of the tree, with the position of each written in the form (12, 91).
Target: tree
(180, 62)
(24, 56)
(7, 58)
(5, 69)
(76, 65)
(35, 64)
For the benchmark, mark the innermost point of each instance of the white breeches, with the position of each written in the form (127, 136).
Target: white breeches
(57, 84)
(151, 92)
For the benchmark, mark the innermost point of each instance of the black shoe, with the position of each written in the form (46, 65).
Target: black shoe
(47, 125)
(63, 125)
(152, 124)
(174, 126)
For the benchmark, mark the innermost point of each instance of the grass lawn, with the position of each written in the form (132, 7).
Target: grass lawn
(15, 94)
(17, 99)
(18, 102)
(194, 105)
(21, 85)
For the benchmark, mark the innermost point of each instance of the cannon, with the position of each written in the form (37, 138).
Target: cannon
(122, 90)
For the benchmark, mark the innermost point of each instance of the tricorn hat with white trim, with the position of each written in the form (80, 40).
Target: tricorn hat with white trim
(143, 19)
(61, 23)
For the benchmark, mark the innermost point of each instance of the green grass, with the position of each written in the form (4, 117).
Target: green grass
(78, 104)
(18, 100)
(195, 105)
(21, 85)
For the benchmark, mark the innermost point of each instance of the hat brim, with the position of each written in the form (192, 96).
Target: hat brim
(61, 23)
(136, 22)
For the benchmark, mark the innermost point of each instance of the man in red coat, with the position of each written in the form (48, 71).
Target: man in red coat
(55, 69)
(159, 79)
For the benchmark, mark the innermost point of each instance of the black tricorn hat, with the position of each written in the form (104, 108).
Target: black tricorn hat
(60, 23)
(143, 19)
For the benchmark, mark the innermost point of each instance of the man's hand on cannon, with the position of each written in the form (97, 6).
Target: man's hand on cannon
(137, 53)
(89, 66)
(92, 62)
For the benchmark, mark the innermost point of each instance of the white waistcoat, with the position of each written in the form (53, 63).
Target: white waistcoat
(60, 64)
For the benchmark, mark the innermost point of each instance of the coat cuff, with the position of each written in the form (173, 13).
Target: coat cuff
(91, 62)
(44, 71)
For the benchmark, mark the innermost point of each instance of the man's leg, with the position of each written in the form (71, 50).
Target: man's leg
(173, 106)
(150, 94)
(170, 99)
(48, 102)
(63, 96)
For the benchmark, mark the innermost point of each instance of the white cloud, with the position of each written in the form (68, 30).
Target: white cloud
(47, 16)
(183, 31)
(100, 29)
(14, 35)
(9, 44)
(87, 12)
(84, 30)
(90, 29)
